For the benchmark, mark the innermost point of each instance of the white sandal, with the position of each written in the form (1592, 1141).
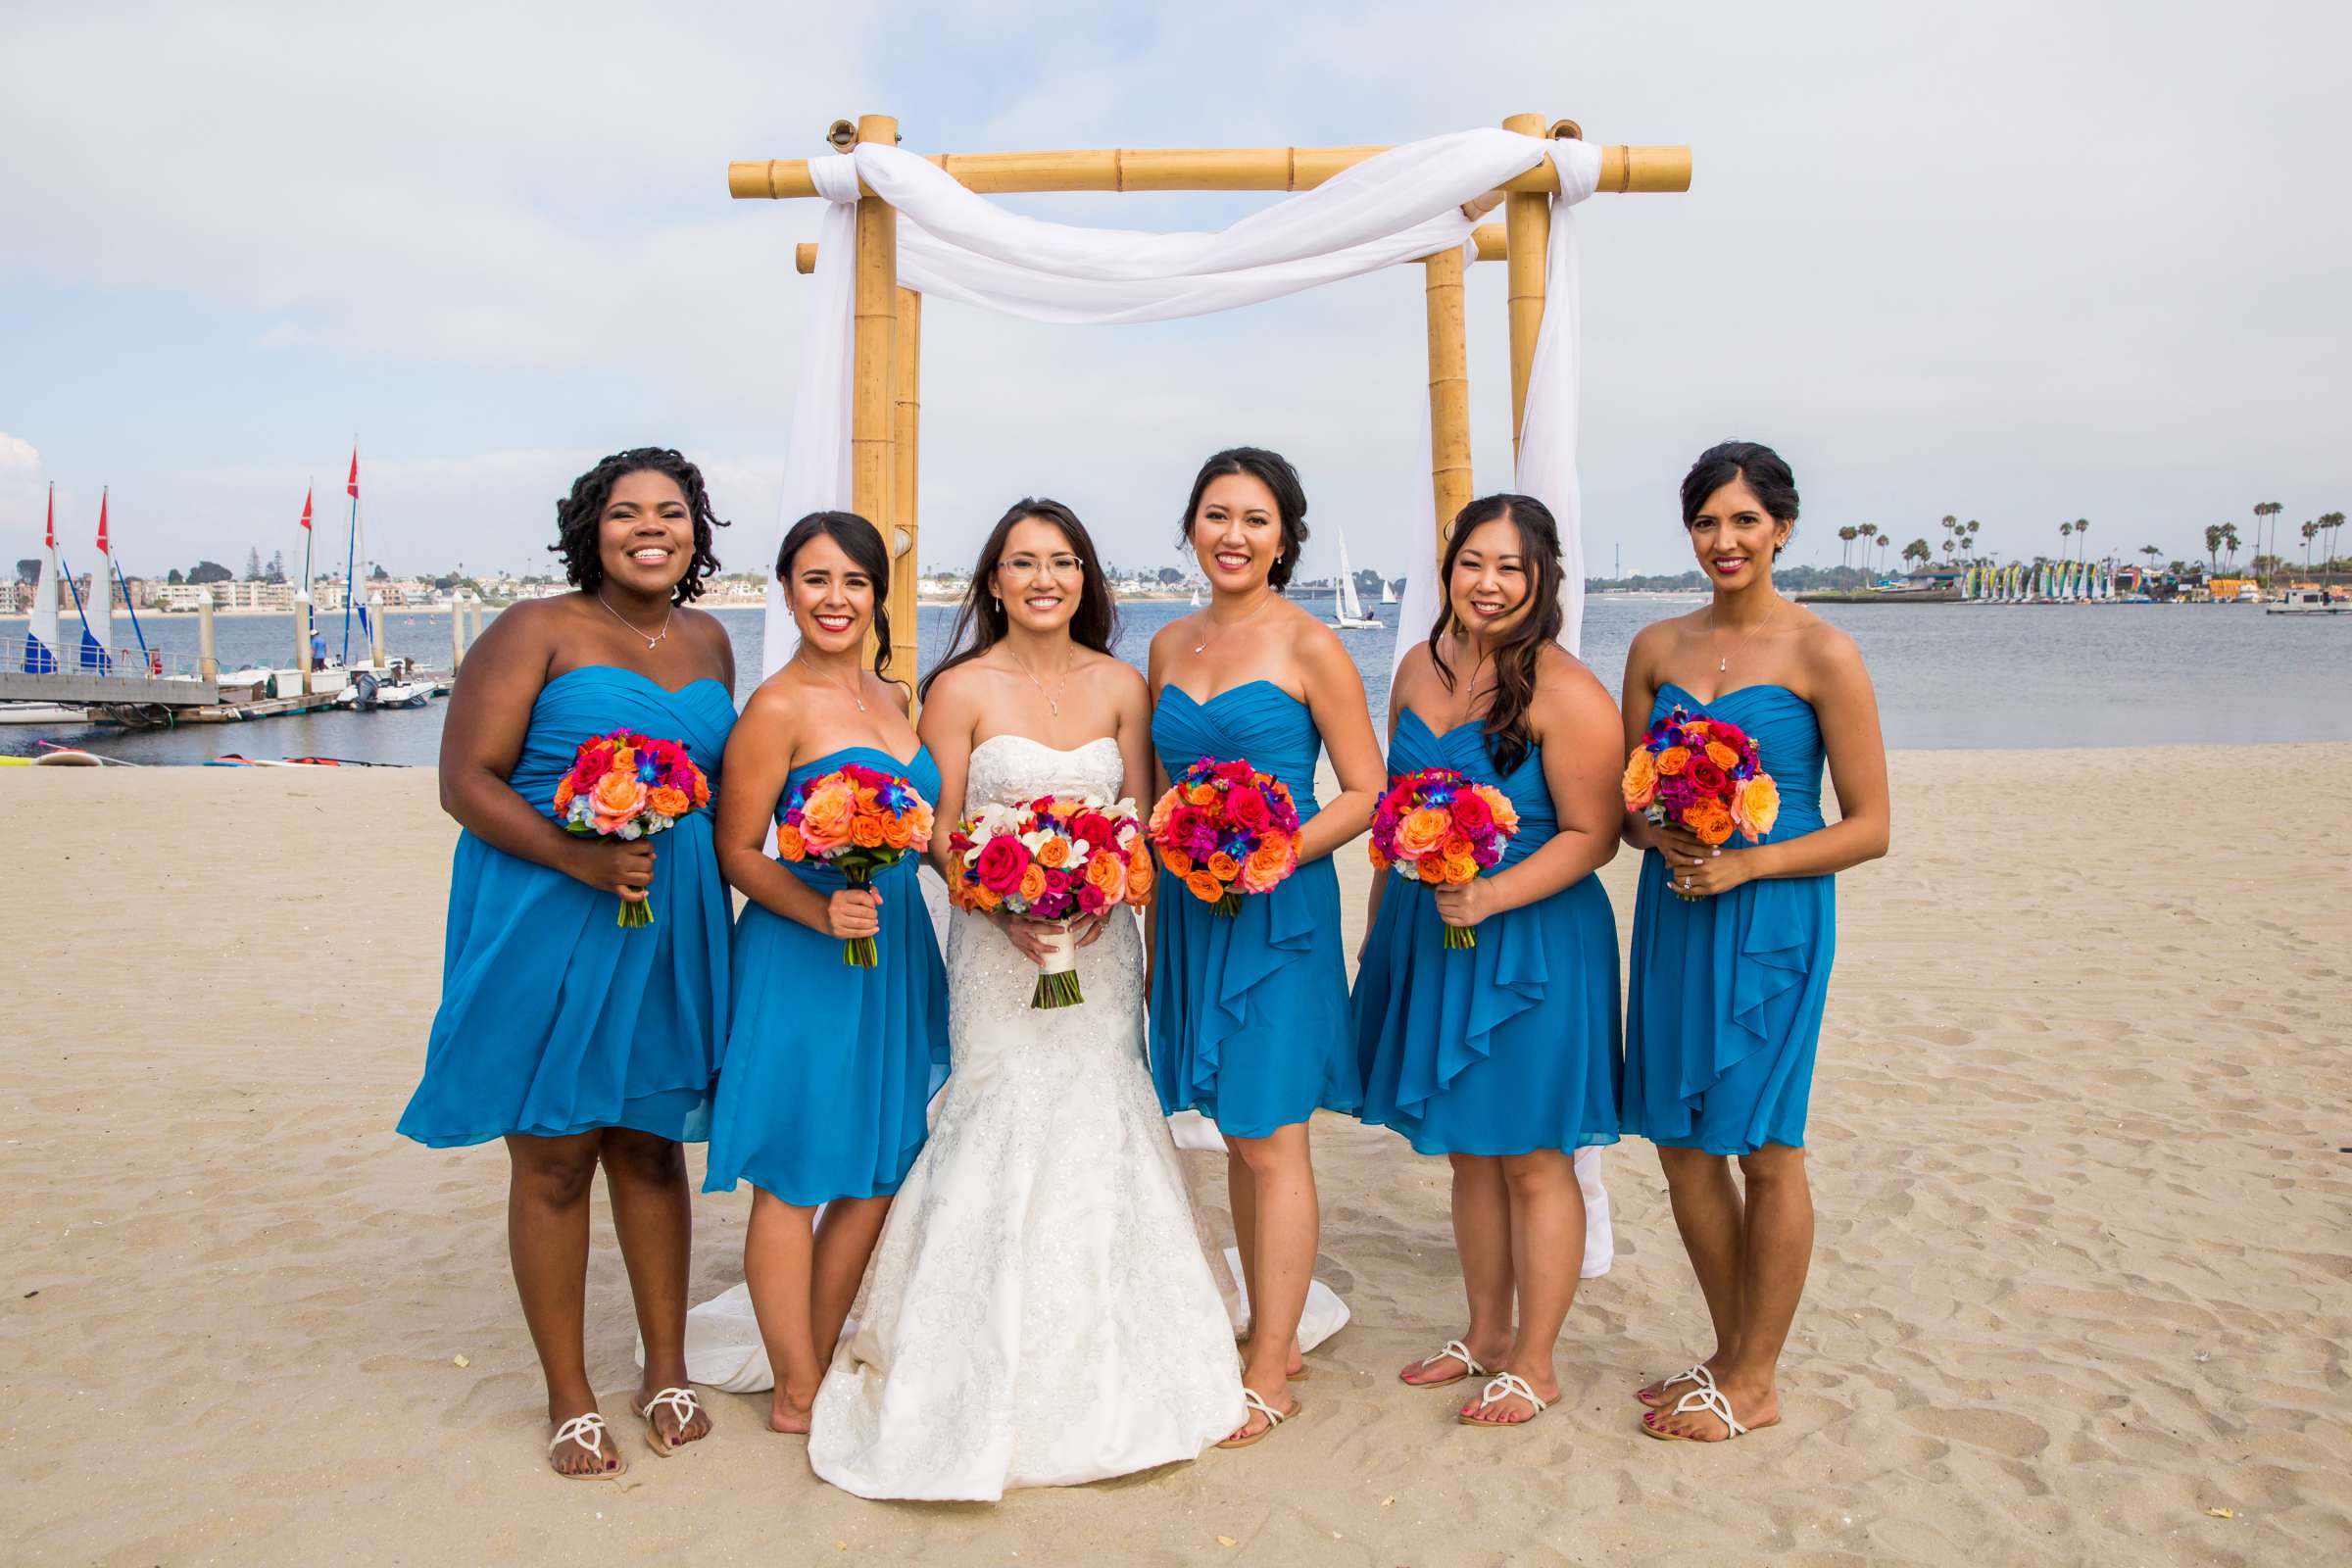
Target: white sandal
(1690, 1374)
(682, 1404)
(1504, 1387)
(1452, 1347)
(1274, 1418)
(588, 1431)
(1710, 1399)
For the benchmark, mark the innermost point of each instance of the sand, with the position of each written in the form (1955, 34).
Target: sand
(2085, 1272)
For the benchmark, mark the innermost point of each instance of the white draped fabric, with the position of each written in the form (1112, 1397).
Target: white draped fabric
(1398, 206)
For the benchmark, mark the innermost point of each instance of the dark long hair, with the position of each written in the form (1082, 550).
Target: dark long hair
(862, 542)
(1508, 737)
(980, 621)
(1273, 471)
(1765, 472)
(579, 518)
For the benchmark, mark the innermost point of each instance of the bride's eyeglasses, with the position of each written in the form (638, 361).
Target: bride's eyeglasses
(1028, 568)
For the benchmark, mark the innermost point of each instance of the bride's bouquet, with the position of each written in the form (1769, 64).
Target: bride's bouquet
(628, 786)
(1227, 829)
(856, 820)
(1437, 827)
(1055, 859)
(1703, 776)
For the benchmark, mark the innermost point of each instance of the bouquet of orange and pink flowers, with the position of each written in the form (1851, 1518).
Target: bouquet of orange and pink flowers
(1437, 827)
(856, 820)
(1703, 776)
(1054, 859)
(629, 786)
(1227, 829)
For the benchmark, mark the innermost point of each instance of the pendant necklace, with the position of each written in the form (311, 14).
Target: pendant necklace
(1052, 701)
(1723, 665)
(653, 641)
(850, 690)
(1214, 628)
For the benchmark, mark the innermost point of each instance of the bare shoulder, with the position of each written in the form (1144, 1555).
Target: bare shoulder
(1172, 637)
(1567, 683)
(773, 700)
(1114, 675)
(958, 684)
(1319, 646)
(1825, 649)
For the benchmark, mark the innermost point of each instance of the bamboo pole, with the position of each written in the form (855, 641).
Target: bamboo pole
(1623, 170)
(873, 465)
(1527, 229)
(1488, 238)
(375, 630)
(1449, 475)
(457, 633)
(302, 643)
(905, 532)
(208, 651)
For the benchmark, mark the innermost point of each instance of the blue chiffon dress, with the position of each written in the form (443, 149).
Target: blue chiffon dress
(1512, 1045)
(556, 1019)
(1249, 1015)
(829, 1067)
(1726, 992)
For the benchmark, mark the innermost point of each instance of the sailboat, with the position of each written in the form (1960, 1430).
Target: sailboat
(1387, 592)
(40, 635)
(1348, 609)
(1195, 595)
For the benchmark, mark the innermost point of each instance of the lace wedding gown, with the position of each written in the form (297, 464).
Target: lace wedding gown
(1039, 1311)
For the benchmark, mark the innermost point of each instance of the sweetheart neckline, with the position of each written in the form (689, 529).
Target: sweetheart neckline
(1227, 692)
(1057, 750)
(623, 669)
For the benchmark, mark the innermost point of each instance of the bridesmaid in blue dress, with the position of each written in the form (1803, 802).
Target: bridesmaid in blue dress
(828, 1068)
(579, 1042)
(1503, 1057)
(1249, 1015)
(1727, 984)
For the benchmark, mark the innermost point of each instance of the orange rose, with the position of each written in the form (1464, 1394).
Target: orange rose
(1379, 861)
(825, 816)
(618, 796)
(1697, 730)
(1054, 852)
(565, 795)
(1461, 868)
(788, 843)
(702, 790)
(1429, 869)
(1422, 831)
(1160, 813)
(1265, 868)
(1498, 805)
(1224, 867)
(624, 759)
(1674, 760)
(865, 831)
(1207, 889)
(898, 833)
(1204, 795)
(1457, 848)
(1033, 882)
(669, 801)
(1641, 781)
(1722, 755)
(1140, 877)
(1275, 838)
(1177, 861)
(1756, 805)
(1105, 871)
(1710, 821)
(984, 899)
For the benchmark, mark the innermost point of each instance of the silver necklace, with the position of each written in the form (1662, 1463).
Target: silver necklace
(1052, 702)
(1723, 665)
(1214, 628)
(653, 641)
(851, 692)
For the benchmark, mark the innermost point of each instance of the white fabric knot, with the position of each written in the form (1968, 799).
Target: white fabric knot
(836, 177)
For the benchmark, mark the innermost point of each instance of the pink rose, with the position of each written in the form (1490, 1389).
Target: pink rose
(1248, 808)
(1003, 859)
(1091, 899)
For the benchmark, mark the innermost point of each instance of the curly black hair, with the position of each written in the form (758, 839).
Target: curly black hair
(580, 515)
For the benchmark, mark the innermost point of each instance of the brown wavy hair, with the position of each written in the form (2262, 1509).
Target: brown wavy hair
(1509, 736)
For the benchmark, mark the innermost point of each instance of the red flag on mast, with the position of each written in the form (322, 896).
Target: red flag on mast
(352, 486)
(52, 539)
(306, 511)
(102, 523)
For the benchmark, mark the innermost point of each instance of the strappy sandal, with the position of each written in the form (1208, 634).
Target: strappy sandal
(1690, 1374)
(588, 1431)
(1274, 1418)
(1452, 1347)
(1708, 1398)
(682, 1404)
(1502, 1387)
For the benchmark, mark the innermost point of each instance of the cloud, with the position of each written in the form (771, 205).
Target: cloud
(17, 455)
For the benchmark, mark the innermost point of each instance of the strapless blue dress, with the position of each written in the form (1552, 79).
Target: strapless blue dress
(1726, 993)
(1507, 1046)
(555, 1019)
(828, 1068)
(1249, 1015)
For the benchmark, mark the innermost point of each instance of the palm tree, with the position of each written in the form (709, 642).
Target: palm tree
(2311, 532)
(1919, 550)
(2153, 553)
(1951, 537)
(1968, 535)
(2083, 532)
(2331, 520)
(2267, 509)
(2230, 543)
(1846, 538)
(1869, 534)
(2213, 549)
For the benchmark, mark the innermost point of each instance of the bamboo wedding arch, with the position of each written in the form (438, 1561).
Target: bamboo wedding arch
(886, 406)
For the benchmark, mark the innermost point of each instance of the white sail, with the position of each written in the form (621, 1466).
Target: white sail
(98, 633)
(1349, 609)
(1387, 592)
(40, 637)
(1195, 595)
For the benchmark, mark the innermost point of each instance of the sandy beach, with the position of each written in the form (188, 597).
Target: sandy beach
(2083, 1290)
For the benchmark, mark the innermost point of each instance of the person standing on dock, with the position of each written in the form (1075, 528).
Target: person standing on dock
(577, 1039)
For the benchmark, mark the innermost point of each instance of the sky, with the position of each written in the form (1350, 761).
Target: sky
(2021, 262)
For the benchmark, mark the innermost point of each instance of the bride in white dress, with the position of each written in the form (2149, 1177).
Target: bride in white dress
(1040, 1310)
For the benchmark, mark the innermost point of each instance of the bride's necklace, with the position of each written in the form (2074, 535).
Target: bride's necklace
(655, 641)
(1214, 628)
(1052, 698)
(850, 690)
(1723, 665)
